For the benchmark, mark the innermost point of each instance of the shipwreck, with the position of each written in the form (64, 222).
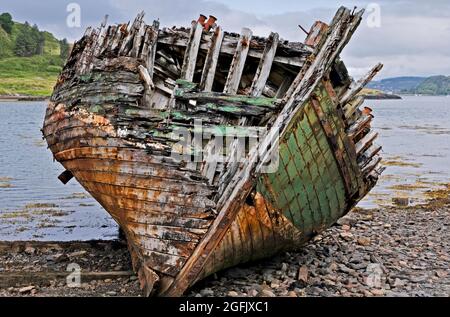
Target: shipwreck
(132, 100)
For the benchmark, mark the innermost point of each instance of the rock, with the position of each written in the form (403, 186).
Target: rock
(399, 283)
(377, 292)
(266, 293)
(364, 241)
(346, 227)
(118, 268)
(284, 267)
(346, 235)
(274, 284)
(346, 221)
(77, 253)
(344, 268)
(291, 294)
(232, 294)
(207, 292)
(58, 257)
(303, 274)
(111, 293)
(267, 275)
(400, 201)
(236, 273)
(30, 250)
(441, 274)
(418, 279)
(253, 293)
(26, 289)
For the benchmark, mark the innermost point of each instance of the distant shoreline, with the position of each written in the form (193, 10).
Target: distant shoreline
(23, 98)
(383, 97)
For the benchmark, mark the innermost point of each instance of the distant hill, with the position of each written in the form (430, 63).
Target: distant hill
(30, 59)
(435, 85)
(397, 84)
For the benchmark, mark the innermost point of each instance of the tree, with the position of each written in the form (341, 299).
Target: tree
(38, 40)
(6, 22)
(64, 49)
(26, 41)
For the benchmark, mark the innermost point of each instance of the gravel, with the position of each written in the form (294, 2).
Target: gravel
(381, 252)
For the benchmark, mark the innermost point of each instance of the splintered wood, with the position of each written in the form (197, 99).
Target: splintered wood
(151, 120)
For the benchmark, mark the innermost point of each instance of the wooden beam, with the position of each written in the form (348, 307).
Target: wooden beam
(149, 48)
(351, 107)
(190, 56)
(265, 65)
(356, 128)
(234, 191)
(366, 142)
(209, 70)
(179, 38)
(333, 142)
(138, 38)
(238, 63)
(356, 87)
(127, 43)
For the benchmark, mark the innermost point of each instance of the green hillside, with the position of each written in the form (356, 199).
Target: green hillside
(435, 85)
(30, 59)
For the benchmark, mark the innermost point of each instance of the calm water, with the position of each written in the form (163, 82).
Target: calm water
(34, 204)
(415, 135)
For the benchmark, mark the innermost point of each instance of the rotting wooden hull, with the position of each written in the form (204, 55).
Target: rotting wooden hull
(114, 117)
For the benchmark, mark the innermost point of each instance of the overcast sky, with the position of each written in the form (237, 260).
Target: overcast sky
(413, 37)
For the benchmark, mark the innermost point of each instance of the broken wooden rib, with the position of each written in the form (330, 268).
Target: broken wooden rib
(123, 120)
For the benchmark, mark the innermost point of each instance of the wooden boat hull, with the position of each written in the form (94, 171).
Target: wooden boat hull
(112, 124)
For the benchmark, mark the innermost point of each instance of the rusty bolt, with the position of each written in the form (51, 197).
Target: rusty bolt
(210, 23)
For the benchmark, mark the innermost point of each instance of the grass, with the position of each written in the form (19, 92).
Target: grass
(31, 76)
(371, 92)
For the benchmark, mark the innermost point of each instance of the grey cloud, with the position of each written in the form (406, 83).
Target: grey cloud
(414, 37)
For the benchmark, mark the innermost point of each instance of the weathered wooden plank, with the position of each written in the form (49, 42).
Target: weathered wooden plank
(149, 85)
(332, 139)
(190, 55)
(102, 32)
(371, 165)
(237, 189)
(120, 32)
(356, 128)
(295, 59)
(265, 65)
(127, 43)
(209, 70)
(365, 157)
(286, 83)
(137, 40)
(351, 107)
(366, 141)
(149, 48)
(356, 87)
(238, 63)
